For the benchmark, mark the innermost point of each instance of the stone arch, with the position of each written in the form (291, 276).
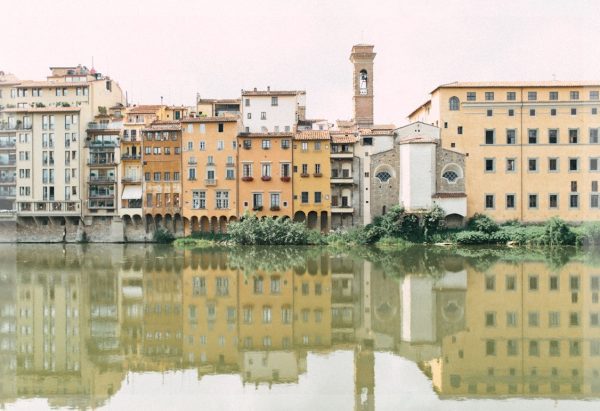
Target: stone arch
(187, 225)
(452, 173)
(384, 173)
(214, 224)
(177, 223)
(194, 224)
(137, 220)
(232, 219)
(158, 221)
(127, 220)
(454, 220)
(204, 224)
(149, 223)
(223, 224)
(299, 217)
(324, 221)
(312, 219)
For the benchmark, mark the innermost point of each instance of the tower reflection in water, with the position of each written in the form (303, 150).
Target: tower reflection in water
(75, 320)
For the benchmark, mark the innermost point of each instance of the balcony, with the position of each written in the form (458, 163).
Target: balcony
(15, 126)
(247, 178)
(8, 180)
(343, 209)
(48, 208)
(131, 180)
(9, 163)
(228, 164)
(210, 182)
(102, 163)
(286, 179)
(101, 204)
(192, 161)
(105, 126)
(8, 145)
(342, 154)
(93, 144)
(101, 179)
(266, 178)
(210, 163)
(341, 177)
(136, 157)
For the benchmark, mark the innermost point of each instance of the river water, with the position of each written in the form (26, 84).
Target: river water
(156, 328)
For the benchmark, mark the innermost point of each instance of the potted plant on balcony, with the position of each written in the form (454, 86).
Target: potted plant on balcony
(304, 175)
(266, 178)
(247, 178)
(285, 179)
(275, 208)
(317, 175)
(257, 208)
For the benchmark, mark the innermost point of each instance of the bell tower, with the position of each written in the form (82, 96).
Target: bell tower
(362, 57)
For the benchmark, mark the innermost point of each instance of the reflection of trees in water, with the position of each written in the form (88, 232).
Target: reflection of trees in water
(277, 259)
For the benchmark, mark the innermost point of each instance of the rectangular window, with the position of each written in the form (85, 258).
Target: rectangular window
(304, 197)
(511, 165)
(574, 200)
(532, 112)
(511, 136)
(275, 201)
(553, 136)
(553, 200)
(490, 319)
(554, 319)
(274, 101)
(532, 164)
(198, 200)
(533, 200)
(574, 95)
(510, 201)
(489, 112)
(317, 197)
(553, 164)
(511, 96)
(489, 137)
(594, 95)
(573, 164)
(157, 176)
(459, 130)
(553, 112)
(512, 348)
(533, 282)
(489, 201)
(489, 96)
(531, 95)
(266, 144)
(222, 200)
(573, 136)
(490, 165)
(593, 136)
(511, 112)
(553, 95)
(257, 201)
(533, 319)
(263, 115)
(511, 319)
(532, 136)
(490, 283)
(471, 96)
(221, 127)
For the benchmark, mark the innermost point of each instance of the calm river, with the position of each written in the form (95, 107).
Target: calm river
(158, 328)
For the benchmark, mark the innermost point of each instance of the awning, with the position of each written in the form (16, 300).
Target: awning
(132, 193)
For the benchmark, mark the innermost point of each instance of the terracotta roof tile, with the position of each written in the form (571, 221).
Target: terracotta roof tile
(312, 135)
(164, 126)
(207, 119)
(492, 84)
(343, 138)
(448, 195)
(144, 109)
(264, 135)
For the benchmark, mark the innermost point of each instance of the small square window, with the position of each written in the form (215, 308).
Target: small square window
(489, 113)
(552, 111)
(471, 96)
(573, 111)
(553, 95)
(511, 112)
(531, 95)
(511, 96)
(574, 95)
(489, 96)
(459, 130)
(532, 112)
(573, 164)
(489, 165)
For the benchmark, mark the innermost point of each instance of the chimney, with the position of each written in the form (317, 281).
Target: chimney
(268, 88)
(255, 89)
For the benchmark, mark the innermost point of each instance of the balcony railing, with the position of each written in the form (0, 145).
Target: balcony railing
(131, 180)
(102, 163)
(8, 144)
(105, 126)
(101, 144)
(102, 179)
(131, 157)
(10, 163)
(8, 180)
(15, 126)
(48, 207)
(210, 182)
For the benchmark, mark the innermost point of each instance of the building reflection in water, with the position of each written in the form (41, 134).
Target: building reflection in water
(75, 320)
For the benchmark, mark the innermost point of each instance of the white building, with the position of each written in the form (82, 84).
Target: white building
(272, 111)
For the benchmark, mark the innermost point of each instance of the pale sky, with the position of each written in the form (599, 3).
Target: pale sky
(176, 48)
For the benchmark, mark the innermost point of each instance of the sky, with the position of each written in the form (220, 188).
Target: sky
(178, 48)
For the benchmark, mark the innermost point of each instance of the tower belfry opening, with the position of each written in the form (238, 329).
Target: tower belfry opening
(362, 57)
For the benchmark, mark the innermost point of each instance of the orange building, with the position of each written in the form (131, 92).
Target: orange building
(209, 162)
(210, 307)
(162, 174)
(266, 311)
(265, 174)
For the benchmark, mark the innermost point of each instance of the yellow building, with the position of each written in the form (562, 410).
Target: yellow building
(209, 164)
(530, 331)
(210, 312)
(265, 174)
(312, 172)
(532, 147)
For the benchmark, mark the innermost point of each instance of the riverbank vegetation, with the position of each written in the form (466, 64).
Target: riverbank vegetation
(396, 228)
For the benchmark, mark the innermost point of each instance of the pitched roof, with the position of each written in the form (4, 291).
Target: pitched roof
(312, 135)
(542, 83)
(448, 195)
(144, 109)
(343, 138)
(164, 126)
(41, 109)
(418, 139)
(272, 92)
(219, 100)
(265, 135)
(207, 119)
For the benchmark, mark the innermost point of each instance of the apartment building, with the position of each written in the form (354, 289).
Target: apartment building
(8, 163)
(161, 157)
(526, 334)
(213, 107)
(209, 166)
(48, 120)
(532, 147)
(265, 174)
(311, 179)
(272, 111)
(345, 179)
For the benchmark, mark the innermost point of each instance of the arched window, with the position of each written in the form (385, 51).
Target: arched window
(452, 173)
(451, 176)
(362, 82)
(383, 176)
(454, 103)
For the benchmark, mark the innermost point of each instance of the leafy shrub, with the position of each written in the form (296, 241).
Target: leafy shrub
(472, 238)
(482, 223)
(251, 230)
(163, 236)
(589, 234)
(557, 232)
